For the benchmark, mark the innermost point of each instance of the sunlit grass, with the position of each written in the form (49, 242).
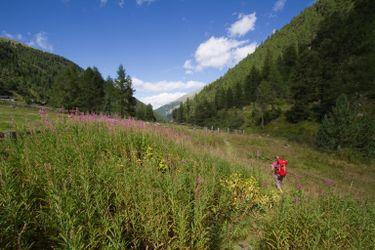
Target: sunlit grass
(90, 181)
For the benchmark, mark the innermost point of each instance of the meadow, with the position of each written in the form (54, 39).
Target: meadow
(91, 181)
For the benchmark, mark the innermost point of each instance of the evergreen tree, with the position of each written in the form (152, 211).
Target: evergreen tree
(265, 97)
(220, 99)
(288, 61)
(187, 110)
(91, 86)
(229, 98)
(343, 127)
(65, 90)
(251, 84)
(267, 66)
(238, 96)
(110, 94)
(150, 113)
(127, 102)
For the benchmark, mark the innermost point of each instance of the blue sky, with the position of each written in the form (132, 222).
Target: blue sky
(169, 47)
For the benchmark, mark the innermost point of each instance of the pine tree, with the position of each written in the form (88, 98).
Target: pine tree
(187, 110)
(238, 96)
(110, 94)
(343, 128)
(150, 113)
(220, 99)
(91, 85)
(229, 98)
(65, 90)
(287, 61)
(265, 97)
(127, 102)
(251, 84)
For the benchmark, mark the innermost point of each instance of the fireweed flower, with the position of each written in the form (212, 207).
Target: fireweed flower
(329, 182)
(296, 200)
(299, 186)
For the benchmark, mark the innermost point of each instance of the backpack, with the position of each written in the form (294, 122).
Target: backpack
(282, 167)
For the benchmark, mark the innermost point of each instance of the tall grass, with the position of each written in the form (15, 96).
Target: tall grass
(327, 222)
(97, 182)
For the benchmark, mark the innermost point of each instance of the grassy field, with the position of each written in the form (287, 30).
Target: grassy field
(96, 182)
(11, 117)
(15, 117)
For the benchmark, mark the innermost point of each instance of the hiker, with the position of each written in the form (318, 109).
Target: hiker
(279, 171)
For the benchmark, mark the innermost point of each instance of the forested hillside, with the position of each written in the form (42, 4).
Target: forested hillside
(34, 76)
(298, 75)
(28, 72)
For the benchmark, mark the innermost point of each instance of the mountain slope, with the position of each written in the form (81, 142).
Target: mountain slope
(28, 72)
(166, 110)
(299, 32)
(319, 70)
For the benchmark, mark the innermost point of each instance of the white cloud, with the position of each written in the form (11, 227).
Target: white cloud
(161, 99)
(103, 2)
(166, 86)
(140, 2)
(40, 40)
(188, 66)
(6, 34)
(242, 52)
(279, 5)
(243, 25)
(121, 3)
(219, 52)
(18, 37)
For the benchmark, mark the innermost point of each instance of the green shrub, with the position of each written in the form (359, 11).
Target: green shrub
(345, 127)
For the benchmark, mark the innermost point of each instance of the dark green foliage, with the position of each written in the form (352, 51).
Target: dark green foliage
(339, 59)
(144, 112)
(34, 76)
(238, 96)
(127, 102)
(66, 89)
(229, 100)
(29, 72)
(265, 98)
(88, 92)
(345, 127)
(220, 98)
(266, 116)
(91, 86)
(251, 84)
(110, 102)
(287, 62)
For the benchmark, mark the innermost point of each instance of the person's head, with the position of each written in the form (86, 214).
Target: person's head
(277, 157)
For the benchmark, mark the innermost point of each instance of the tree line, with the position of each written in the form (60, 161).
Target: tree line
(89, 92)
(33, 76)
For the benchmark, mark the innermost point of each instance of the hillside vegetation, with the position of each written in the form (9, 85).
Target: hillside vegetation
(319, 69)
(28, 72)
(88, 181)
(32, 76)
